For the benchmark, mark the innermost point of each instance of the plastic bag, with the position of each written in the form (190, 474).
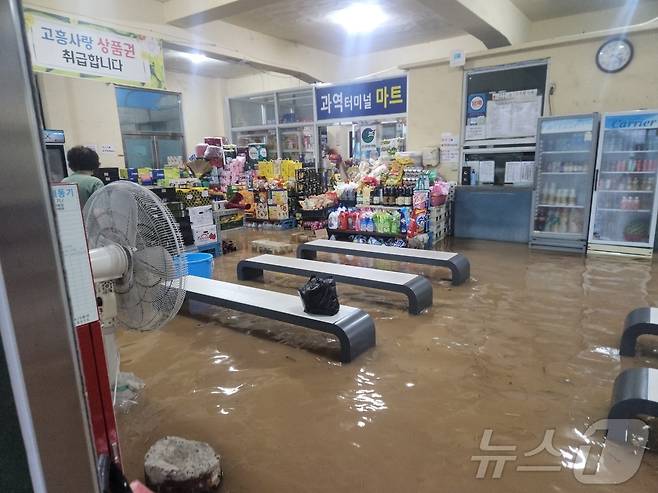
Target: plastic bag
(319, 296)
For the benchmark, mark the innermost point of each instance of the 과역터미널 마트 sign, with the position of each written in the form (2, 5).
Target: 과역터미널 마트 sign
(66, 46)
(380, 97)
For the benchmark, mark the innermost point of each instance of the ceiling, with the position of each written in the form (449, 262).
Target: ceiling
(176, 62)
(537, 10)
(305, 22)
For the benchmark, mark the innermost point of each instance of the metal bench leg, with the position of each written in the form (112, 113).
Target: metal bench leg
(637, 323)
(356, 335)
(420, 294)
(633, 395)
(248, 273)
(306, 253)
(460, 268)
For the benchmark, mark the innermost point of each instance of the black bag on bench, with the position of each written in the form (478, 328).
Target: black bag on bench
(319, 296)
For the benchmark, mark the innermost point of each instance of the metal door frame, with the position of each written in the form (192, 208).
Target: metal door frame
(35, 316)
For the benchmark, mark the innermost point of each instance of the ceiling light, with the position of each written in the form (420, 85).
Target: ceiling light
(195, 57)
(359, 17)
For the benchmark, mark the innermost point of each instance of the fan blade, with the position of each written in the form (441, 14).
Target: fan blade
(111, 217)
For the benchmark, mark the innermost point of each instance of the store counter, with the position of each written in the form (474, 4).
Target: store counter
(491, 212)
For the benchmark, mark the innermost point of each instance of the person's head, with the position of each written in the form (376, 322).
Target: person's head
(82, 158)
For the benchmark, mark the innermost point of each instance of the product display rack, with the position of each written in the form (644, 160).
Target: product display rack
(564, 172)
(623, 217)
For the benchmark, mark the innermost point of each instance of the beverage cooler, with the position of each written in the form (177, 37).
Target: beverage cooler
(624, 204)
(565, 162)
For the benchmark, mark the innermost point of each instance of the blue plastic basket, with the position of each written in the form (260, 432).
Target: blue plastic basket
(200, 264)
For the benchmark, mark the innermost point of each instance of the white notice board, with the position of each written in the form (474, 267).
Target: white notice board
(75, 255)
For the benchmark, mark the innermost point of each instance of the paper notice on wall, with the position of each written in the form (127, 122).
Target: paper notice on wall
(449, 149)
(513, 117)
(476, 132)
(487, 171)
(107, 148)
(93, 147)
(519, 172)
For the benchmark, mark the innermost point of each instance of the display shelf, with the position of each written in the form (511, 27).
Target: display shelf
(562, 206)
(388, 207)
(586, 151)
(365, 233)
(625, 191)
(641, 211)
(628, 172)
(562, 173)
(646, 151)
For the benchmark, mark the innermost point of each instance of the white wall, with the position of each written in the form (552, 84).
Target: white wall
(435, 91)
(86, 110)
(203, 106)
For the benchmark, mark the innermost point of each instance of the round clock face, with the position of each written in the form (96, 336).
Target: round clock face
(614, 55)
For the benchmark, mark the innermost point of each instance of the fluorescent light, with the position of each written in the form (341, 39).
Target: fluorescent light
(195, 57)
(359, 17)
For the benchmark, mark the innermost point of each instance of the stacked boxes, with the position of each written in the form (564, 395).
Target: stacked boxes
(203, 226)
(194, 196)
(438, 224)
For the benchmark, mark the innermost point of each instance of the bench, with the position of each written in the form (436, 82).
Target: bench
(353, 327)
(417, 289)
(634, 394)
(639, 322)
(456, 262)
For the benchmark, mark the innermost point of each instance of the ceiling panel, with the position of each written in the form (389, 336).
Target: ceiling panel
(305, 22)
(176, 62)
(537, 10)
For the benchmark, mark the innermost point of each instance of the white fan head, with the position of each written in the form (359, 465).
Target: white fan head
(152, 289)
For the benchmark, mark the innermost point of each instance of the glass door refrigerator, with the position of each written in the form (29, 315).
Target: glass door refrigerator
(565, 159)
(624, 204)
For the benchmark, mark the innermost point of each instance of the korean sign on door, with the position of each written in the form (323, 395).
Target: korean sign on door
(65, 46)
(381, 97)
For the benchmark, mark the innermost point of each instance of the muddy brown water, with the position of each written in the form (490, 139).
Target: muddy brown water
(529, 344)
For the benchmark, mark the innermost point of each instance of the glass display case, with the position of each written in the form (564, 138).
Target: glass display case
(566, 155)
(253, 111)
(268, 137)
(297, 143)
(624, 205)
(295, 106)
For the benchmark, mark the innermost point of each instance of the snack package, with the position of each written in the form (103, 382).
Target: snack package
(332, 220)
(420, 199)
(422, 220)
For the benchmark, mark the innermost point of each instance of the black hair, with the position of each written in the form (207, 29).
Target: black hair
(82, 158)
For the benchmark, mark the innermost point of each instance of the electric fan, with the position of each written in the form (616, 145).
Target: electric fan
(137, 260)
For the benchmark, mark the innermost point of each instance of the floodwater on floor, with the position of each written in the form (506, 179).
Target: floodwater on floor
(528, 348)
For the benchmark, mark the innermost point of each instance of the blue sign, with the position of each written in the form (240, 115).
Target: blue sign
(381, 97)
(477, 104)
(630, 121)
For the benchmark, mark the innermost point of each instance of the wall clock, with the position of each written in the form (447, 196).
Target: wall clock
(614, 55)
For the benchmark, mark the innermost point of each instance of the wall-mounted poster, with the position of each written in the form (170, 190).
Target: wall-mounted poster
(74, 48)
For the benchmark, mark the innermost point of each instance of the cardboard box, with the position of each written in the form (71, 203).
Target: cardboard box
(204, 234)
(201, 216)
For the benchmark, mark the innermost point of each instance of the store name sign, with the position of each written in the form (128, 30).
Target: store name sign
(381, 97)
(66, 46)
(642, 120)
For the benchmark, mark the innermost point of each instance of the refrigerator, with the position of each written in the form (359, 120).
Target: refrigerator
(564, 174)
(623, 214)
